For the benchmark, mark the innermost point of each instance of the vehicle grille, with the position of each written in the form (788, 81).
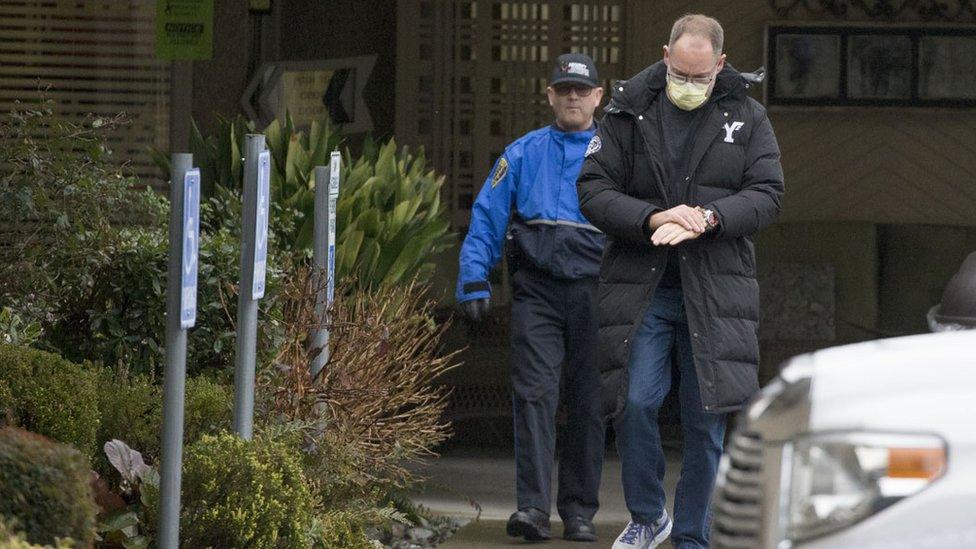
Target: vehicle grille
(737, 520)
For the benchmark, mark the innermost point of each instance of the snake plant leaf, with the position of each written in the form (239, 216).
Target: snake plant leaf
(386, 162)
(369, 221)
(296, 160)
(277, 142)
(416, 250)
(304, 237)
(203, 158)
(368, 260)
(347, 251)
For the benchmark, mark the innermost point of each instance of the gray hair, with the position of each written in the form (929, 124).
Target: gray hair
(699, 25)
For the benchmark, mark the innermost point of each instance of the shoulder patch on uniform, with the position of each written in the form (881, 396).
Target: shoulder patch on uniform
(595, 145)
(501, 170)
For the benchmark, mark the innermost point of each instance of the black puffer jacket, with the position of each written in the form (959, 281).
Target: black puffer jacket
(734, 170)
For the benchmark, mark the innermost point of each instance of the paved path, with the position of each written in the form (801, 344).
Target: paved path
(488, 477)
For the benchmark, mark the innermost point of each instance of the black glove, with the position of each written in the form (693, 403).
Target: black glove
(475, 309)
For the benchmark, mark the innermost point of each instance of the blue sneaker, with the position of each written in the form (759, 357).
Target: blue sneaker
(644, 536)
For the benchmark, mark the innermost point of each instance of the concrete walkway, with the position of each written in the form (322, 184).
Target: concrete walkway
(488, 478)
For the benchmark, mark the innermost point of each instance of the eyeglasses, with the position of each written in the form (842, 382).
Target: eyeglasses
(564, 90)
(681, 79)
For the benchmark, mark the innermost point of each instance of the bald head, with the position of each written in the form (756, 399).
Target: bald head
(706, 30)
(694, 58)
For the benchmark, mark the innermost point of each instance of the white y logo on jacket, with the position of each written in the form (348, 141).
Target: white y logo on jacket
(729, 130)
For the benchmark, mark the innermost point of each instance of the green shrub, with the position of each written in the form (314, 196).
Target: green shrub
(120, 320)
(15, 330)
(6, 404)
(207, 409)
(85, 272)
(239, 493)
(132, 411)
(12, 538)
(46, 488)
(341, 530)
(51, 396)
(86, 405)
(64, 200)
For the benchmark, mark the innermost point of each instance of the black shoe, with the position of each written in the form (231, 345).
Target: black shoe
(578, 529)
(531, 524)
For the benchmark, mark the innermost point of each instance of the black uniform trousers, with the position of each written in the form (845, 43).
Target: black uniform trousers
(554, 333)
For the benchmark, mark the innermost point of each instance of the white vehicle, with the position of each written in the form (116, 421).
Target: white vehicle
(866, 446)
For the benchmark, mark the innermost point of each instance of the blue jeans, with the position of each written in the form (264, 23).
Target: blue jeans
(663, 331)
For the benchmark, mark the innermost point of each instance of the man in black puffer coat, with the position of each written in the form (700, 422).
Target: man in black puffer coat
(682, 171)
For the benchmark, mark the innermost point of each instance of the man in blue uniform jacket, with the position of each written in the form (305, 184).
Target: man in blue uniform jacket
(529, 206)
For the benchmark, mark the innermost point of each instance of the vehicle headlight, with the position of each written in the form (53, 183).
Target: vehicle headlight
(839, 479)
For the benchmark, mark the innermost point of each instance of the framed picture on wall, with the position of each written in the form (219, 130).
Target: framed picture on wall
(947, 67)
(808, 64)
(879, 66)
(884, 65)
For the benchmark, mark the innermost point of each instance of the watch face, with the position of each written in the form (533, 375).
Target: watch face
(710, 218)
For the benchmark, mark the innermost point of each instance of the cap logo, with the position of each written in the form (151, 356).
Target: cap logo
(577, 68)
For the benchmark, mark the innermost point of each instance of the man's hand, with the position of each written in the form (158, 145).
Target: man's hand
(685, 216)
(476, 309)
(672, 234)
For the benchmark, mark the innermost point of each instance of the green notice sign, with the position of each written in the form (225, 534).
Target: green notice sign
(184, 29)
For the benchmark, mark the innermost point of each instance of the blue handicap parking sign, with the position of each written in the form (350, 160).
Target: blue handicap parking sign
(261, 224)
(335, 163)
(191, 246)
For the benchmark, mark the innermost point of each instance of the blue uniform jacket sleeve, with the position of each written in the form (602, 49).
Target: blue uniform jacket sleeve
(482, 247)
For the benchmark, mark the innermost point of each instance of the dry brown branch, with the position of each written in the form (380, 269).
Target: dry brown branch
(376, 401)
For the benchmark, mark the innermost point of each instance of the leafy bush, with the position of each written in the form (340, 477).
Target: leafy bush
(14, 330)
(46, 488)
(132, 411)
(375, 407)
(239, 493)
(390, 219)
(121, 320)
(62, 202)
(51, 396)
(86, 272)
(207, 409)
(341, 530)
(7, 404)
(11, 538)
(86, 406)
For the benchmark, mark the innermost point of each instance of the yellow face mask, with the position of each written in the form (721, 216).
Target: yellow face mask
(687, 96)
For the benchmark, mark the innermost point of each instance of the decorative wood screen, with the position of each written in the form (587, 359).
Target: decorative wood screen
(89, 57)
(471, 76)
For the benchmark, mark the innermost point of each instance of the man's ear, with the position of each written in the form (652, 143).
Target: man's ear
(721, 62)
(550, 93)
(666, 54)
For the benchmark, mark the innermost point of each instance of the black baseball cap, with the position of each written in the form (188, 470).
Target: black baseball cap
(575, 68)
